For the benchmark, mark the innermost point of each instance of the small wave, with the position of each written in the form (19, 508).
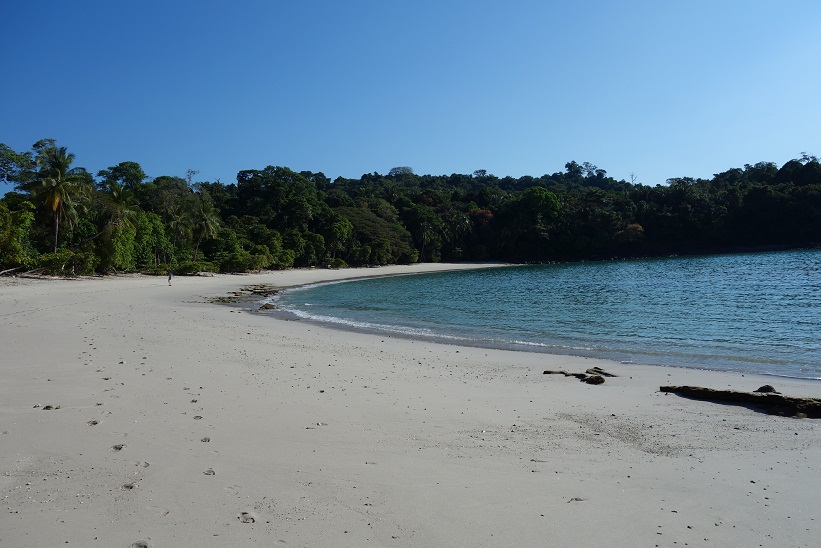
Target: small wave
(549, 346)
(362, 325)
(785, 376)
(416, 332)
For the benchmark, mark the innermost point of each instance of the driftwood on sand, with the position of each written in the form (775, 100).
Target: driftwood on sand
(767, 400)
(7, 271)
(594, 375)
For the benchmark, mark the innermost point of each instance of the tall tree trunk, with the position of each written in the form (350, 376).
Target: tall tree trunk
(56, 229)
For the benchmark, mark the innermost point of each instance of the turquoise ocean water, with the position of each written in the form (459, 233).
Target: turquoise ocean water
(758, 312)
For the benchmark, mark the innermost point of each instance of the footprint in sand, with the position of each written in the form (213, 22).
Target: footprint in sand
(128, 486)
(93, 423)
(209, 472)
(118, 447)
(246, 517)
(140, 544)
(205, 439)
(142, 464)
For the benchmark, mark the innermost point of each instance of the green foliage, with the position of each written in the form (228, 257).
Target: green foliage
(235, 261)
(65, 262)
(117, 249)
(15, 167)
(338, 235)
(426, 227)
(227, 253)
(527, 221)
(378, 241)
(156, 269)
(125, 174)
(15, 248)
(313, 250)
(151, 245)
(337, 263)
(261, 257)
(189, 268)
(284, 259)
(276, 218)
(279, 197)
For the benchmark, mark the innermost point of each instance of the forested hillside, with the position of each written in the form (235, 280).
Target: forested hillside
(67, 220)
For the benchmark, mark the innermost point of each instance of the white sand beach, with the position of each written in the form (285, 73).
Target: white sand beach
(137, 414)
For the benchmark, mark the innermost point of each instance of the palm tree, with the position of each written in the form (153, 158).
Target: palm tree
(121, 206)
(206, 220)
(58, 186)
(456, 225)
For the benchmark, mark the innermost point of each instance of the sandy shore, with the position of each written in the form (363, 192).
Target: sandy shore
(178, 422)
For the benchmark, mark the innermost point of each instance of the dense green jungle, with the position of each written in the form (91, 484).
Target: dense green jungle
(64, 220)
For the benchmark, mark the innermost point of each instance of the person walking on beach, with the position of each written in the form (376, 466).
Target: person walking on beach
(169, 277)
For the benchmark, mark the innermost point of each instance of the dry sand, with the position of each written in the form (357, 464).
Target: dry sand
(178, 422)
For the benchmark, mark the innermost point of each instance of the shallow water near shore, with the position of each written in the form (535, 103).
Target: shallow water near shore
(756, 313)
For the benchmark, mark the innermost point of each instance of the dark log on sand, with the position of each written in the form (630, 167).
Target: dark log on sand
(594, 375)
(774, 403)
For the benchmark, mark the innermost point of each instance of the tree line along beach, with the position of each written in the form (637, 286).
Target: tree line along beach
(60, 218)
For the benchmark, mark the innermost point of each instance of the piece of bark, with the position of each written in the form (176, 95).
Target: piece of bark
(774, 403)
(596, 378)
(592, 371)
(599, 371)
(551, 372)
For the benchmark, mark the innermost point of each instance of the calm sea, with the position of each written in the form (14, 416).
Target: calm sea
(758, 312)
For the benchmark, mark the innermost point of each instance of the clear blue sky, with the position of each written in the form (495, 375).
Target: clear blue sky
(659, 89)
